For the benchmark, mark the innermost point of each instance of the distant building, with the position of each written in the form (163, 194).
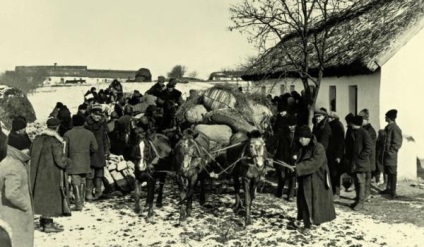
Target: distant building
(226, 76)
(55, 75)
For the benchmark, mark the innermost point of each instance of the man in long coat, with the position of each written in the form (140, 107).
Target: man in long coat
(314, 198)
(97, 124)
(322, 130)
(286, 149)
(157, 89)
(81, 143)
(392, 144)
(358, 157)
(335, 152)
(373, 134)
(16, 214)
(47, 161)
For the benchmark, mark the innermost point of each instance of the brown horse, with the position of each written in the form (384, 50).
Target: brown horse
(151, 157)
(250, 161)
(191, 158)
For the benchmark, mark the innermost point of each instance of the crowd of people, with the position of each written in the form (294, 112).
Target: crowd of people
(320, 159)
(34, 174)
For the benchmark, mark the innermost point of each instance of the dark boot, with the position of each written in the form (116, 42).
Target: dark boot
(49, 227)
(89, 190)
(393, 185)
(98, 188)
(78, 197)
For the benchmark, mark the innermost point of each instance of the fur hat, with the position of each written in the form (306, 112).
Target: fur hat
(321, 111)
(172, 82)
(357, 120)
(96, 108)
(82, 107)
(349, 117)
(78, 120)
(304, 131)
(365, 114)
(19, 123)
(392, 114)
(53, 122)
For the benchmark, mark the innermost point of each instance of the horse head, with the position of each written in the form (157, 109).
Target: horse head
(256, 149)
(187, 151)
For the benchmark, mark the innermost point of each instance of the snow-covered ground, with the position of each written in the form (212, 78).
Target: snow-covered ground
(112, 222)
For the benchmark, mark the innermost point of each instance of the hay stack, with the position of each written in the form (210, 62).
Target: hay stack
(14, 103)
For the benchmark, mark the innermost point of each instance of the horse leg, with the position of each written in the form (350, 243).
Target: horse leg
(151, 183)
(280, 188)
(137, 192)
(162, 178)
(248, 200)
(202, 198)
(190, 193)
(183, 195)
(237, 204)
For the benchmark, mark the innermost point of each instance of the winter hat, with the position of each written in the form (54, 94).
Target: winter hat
(161, 78)
(59, 105)
(349, 118)
(357, 120)
(172, 82)
(304, 131)
(19, 123)
(137, 94)
(392, 114)
(333, 114)
(365, 114)
(321, 111)
(82, 107)
(96, 108)
(78, 120)
(53, 122)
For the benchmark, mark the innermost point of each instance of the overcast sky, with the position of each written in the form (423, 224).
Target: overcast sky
(126, 34)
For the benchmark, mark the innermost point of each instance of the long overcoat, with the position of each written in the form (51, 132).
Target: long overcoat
(392, 144)
(99, 129)
(373, 135)
(47, 161)
(314, 183)
(322, 132)
(15, 198)
(287, 145)
(359, 156)
(80, 144)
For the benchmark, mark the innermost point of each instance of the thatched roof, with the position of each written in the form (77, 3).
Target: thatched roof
(361, 41)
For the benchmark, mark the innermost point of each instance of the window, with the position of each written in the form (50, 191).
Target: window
(282, 89)
(263, 90)
(292, 88)
(332, 94)
(353, 99)
(62, 80)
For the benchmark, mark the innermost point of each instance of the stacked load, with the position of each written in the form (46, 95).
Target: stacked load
(221, 111)
(119, 173)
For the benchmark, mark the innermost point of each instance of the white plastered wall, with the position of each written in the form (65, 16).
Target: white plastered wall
(403, 89)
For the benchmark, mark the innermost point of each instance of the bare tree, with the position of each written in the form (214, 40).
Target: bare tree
(177, 72)
(193, 74)
(294, 36)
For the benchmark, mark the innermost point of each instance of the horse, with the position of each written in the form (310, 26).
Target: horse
(152, 159)
(191, 159)
(249, 160)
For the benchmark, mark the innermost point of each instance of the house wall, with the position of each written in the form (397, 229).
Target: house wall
(368, 93)
(403, 89)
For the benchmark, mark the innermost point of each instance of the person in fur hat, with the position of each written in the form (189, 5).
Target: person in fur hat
(47, 160)
(314, 197)
(16, 213)
(321, 129)
(392, 144)
(357, 154)
(18, 137)
(373, 134)
(335, 152)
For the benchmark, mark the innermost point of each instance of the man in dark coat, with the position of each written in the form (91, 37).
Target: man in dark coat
(171, 94)
(335, 152)
(322, 130)
(359, 159)
(392, 144)
(123, 128)
(97, 124)
(47, 161)
(371, 131)
(314, 198)
(18, 137)
(286, 150)
(158, 87)
(81, 143)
